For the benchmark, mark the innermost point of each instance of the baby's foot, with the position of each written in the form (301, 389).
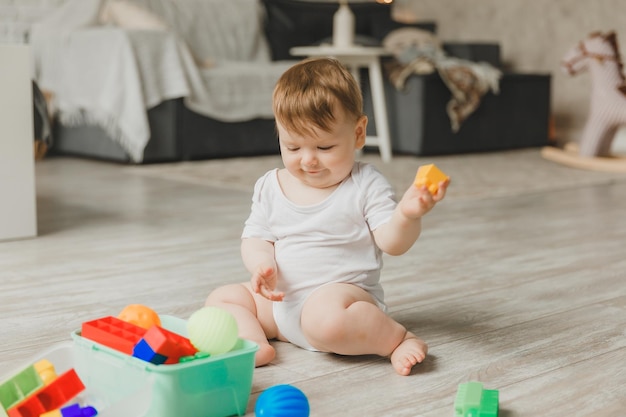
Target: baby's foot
(409, 353)
(264, 355)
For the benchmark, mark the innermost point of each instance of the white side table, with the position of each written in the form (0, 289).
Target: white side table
(18, 214)
(355, 57)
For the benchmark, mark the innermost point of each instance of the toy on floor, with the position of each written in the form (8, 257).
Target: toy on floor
(598, 53)
(282, 401)
(140, 315)
(38, 391)
(430, 176)
(196, 384)
(110, 374)
(474, 401)
(213, 330)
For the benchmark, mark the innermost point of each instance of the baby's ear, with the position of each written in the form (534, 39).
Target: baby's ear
(360, 131)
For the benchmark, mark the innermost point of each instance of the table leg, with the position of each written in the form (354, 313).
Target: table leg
(380, 110)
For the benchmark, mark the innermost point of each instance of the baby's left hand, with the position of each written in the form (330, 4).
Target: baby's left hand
(417, 201)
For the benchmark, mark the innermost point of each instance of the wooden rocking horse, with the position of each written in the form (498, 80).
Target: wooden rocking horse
(598, 53)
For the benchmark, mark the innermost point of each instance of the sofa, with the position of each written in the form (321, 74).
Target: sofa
(180, 129)
(158, 80)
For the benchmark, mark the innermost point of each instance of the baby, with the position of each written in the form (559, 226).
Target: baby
(314, 239)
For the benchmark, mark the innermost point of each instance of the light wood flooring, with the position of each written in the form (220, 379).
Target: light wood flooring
(525, 293)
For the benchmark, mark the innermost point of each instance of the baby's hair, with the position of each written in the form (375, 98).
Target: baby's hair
(307, 94)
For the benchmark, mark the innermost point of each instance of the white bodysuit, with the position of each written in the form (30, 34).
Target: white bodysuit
(328, 242)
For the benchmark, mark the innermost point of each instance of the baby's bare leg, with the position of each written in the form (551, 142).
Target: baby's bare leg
(344, 319)
(253, 314)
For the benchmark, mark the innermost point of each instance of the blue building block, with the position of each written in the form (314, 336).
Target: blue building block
(142, 350)
(474, 401)
(75, 410)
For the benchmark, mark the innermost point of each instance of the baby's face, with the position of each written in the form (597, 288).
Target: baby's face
(325, 159)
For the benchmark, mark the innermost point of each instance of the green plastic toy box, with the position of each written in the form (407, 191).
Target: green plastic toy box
(217, 386)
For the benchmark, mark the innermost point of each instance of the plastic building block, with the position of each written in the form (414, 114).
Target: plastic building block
(198, 355)
(430, 176)
(50, 397)
(19, 387)
(474, 401)
(46, 371)
(74, 410)
(114, 333)
(144, 351)
(166, 343)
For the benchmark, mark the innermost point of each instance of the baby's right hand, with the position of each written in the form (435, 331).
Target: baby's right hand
(263, 282)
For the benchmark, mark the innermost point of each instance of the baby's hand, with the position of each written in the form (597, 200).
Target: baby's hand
(417, 201)
(263, 282)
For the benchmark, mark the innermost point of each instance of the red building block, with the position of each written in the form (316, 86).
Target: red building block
(169, 344)
(49, 397)
(114, 333)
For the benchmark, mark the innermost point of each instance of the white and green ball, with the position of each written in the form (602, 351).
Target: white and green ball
(212, 330)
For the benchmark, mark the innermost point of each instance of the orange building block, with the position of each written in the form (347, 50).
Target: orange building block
(430, 176)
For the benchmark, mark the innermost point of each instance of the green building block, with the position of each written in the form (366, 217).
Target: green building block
(474, 401)
(18, 387)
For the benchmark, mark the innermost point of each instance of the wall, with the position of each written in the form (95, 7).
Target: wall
(16, 17)
(533, 36)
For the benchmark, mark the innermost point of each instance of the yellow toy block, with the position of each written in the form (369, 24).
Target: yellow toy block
(430, 176)
(46, 371)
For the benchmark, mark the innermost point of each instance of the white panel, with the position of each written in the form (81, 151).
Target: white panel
(18, 217)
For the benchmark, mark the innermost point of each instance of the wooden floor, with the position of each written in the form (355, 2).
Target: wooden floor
(526, 294)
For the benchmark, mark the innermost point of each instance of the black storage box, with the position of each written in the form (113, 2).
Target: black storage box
(517, 117)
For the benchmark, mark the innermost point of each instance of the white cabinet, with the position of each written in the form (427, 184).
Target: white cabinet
(18, 215)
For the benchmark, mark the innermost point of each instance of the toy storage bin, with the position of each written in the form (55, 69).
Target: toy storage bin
(516, 117)
(216, 386)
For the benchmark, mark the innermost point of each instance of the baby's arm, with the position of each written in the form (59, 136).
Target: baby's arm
(400, 233)
(258, 257)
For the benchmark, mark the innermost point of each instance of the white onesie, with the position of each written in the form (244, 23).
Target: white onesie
(328, 242)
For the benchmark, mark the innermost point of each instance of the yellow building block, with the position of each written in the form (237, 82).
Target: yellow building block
(430, 176)
(46, 371)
